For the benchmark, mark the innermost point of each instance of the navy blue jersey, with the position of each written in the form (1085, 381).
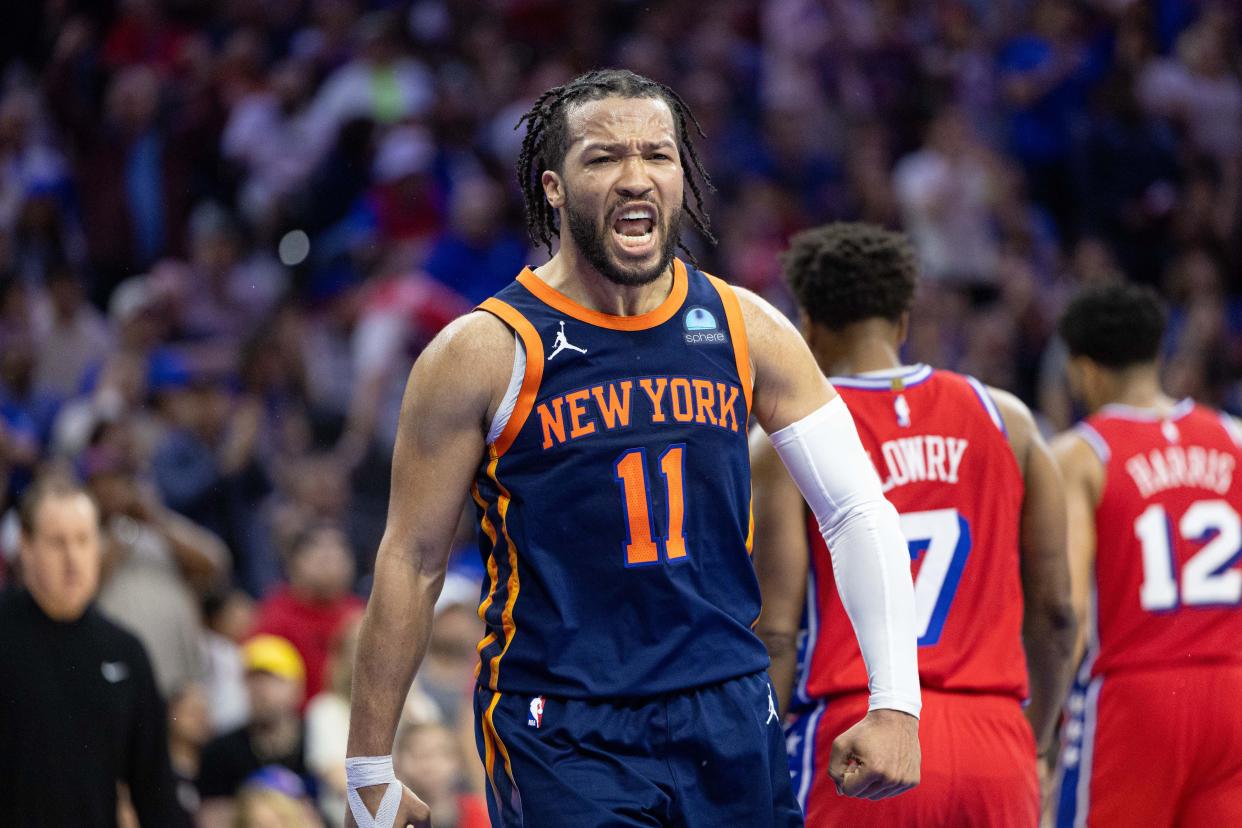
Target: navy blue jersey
(615, 505)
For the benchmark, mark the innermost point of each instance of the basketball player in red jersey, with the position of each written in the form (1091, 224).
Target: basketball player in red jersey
(982, 510)
(1154, 497)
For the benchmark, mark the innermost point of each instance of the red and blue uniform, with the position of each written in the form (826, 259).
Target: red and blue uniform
(938, 442)
(620, 680)
(1154, 733)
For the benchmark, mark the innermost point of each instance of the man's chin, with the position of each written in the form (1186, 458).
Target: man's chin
(636, 270)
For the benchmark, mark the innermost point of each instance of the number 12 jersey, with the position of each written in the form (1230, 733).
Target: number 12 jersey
(1168, 538)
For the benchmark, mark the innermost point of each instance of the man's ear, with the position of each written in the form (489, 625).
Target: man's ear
(903, 328)
(553, 188)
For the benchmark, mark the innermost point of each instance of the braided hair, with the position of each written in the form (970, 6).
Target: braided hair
(546, 141)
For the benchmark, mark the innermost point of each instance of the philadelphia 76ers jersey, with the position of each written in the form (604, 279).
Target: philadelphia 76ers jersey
(615, 504)
(1168, 588)
(939, 444)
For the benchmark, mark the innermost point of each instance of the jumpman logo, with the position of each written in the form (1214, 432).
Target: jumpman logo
(562, 344)
(773, 716)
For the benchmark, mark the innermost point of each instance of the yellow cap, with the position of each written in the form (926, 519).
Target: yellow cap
(275, 655)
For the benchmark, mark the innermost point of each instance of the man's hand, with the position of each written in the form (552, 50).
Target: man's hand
(412, 811)
(877, 758)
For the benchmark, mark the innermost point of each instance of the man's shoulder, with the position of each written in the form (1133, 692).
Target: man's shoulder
(120, 639)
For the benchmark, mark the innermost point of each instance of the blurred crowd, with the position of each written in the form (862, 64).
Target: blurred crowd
(227, 228)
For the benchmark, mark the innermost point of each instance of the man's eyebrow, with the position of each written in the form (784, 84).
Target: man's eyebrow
(614, 146)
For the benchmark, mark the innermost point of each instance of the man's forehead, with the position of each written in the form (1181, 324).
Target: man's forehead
(615, 118)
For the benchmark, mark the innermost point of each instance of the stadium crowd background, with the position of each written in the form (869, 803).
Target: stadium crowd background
(227, 228)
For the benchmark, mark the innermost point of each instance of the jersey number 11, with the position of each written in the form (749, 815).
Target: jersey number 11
(641, 545)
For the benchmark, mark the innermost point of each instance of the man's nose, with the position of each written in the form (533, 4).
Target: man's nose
(634, 182)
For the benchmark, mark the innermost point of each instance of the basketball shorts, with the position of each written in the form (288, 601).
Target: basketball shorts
(704, 758)
(1154, 748)
(978, 766)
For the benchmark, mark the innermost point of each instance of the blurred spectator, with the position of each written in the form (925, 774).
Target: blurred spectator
(383, 83)
(75, 338)
(1045, 73)
(189, 729)
(134, 186)
(1199, 89)
(479, 254)
(75, 726)
(427, 759)
(28, 163)
(405, 202)
(228, 617)
(311, 610)
(157, 564)
(269, 137)
(275, 797)
(946, 191)
(275, 683)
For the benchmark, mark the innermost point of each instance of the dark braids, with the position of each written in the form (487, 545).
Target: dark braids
(546, 141)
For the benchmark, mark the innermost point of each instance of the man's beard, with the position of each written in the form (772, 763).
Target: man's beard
(593, 242)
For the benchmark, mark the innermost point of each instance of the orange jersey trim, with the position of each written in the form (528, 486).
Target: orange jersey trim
(737, 332)
(488, 529)
(493, 744)
(658, 316)
(507, 624)
(530, 380)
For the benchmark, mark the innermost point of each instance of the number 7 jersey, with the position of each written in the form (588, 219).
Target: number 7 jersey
(614, 505)
(1167, 585)
(938, 442)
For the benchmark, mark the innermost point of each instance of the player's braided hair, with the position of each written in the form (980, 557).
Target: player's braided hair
(546, 140)
(845, 272)
(1115, 324)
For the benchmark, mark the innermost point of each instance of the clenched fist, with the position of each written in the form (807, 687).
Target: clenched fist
(877, 758)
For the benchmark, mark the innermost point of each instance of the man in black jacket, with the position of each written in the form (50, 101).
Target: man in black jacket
(79, 710)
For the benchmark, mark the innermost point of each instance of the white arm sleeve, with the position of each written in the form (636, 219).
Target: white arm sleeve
(870, 558)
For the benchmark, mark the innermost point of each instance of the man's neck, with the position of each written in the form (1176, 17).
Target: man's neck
(570, 273)
(1140, 389)
(857, 351)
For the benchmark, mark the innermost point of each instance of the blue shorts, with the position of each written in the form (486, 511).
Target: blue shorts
(714, 756)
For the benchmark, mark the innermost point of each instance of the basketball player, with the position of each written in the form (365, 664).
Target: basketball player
(1154, 502)
(982, 509)
(596, 409)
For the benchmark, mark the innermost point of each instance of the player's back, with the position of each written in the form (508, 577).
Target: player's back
(1168, 538)
(938, 442)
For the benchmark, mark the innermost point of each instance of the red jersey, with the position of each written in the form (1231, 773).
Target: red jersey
(939, 444)
(1168, 588)
(310, 628)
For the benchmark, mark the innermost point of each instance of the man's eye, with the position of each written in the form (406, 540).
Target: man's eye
(660, 156)
(603, 159)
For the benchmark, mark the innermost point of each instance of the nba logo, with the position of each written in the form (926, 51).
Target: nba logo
(902, 409)
(700, 319)
(536, 712)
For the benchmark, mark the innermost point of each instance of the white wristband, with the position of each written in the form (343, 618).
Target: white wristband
(363, 772)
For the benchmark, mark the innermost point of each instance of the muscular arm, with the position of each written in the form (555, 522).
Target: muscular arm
(781, 562)
(1048, 626)
(440, 442)
(814, 435)
(1083, 477)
